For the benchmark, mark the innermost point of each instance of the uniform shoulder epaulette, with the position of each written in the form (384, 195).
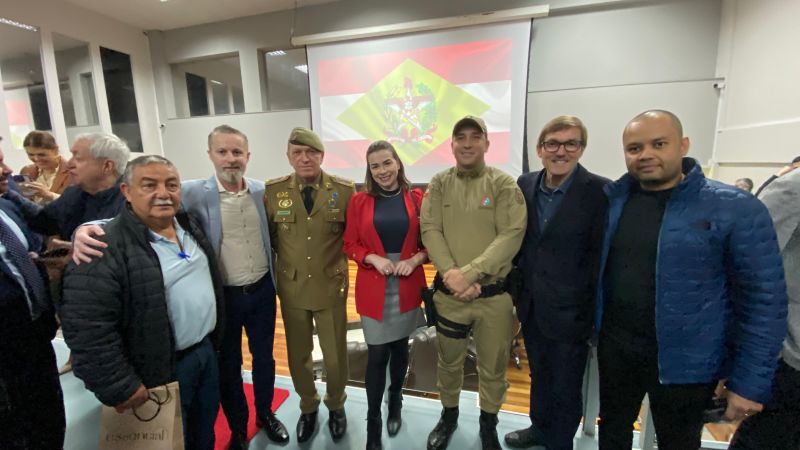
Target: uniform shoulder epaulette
(343, 181)
(277, 180)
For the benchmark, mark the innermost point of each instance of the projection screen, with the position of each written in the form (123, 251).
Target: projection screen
(411, 89)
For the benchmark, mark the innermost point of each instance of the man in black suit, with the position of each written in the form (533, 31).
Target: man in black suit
(558, 262)
(31, 403)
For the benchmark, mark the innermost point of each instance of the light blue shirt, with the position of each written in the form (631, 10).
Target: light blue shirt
(4, 254)
(187, 282)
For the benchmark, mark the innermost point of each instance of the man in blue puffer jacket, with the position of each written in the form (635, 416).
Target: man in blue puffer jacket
(692, 291)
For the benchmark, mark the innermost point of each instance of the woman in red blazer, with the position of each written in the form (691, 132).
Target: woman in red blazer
(382, 237)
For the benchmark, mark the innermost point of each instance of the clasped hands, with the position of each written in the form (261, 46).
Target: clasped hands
(461, 288)
(385, 266)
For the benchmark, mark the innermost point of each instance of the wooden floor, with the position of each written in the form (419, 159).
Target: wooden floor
(517, 397)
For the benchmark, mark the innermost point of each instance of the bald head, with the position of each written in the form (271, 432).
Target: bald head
(655, 114)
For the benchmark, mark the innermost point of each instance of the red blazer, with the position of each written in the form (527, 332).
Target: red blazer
(361, 239)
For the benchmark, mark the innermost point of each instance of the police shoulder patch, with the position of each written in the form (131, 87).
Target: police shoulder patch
(277, 180)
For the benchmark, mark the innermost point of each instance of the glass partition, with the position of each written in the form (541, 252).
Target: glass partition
(22, 82)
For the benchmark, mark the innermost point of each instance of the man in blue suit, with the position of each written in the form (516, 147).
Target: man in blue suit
(558, 261)
(230, 208)
(31, 403)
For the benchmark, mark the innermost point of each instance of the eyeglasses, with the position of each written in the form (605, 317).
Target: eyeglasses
(153, 397)
(570, 146)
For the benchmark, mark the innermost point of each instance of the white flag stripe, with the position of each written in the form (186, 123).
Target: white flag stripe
(332, 129)
(496, 94)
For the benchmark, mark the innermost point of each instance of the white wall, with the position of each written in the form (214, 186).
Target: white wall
(185, 141)
(606, 66)
(603, 61)
(759, 121)
(75, 22)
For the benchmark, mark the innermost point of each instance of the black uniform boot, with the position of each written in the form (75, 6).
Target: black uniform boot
(444, 429)
(488, 431)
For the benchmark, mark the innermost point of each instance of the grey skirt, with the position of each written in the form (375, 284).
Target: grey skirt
(395, 325)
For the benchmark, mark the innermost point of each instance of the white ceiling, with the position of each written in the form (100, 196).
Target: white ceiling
(158, 15)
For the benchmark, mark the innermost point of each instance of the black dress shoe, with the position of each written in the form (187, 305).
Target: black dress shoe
(238, 442)
(488, 431)
(441, 434)
(524, 438)
(274, 428)
(394, 420)
(337, 423)
(306, 425)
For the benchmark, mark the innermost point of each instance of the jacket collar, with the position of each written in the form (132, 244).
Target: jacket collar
(108, 194)
(475, 172)
(692, 181)
(142, 231)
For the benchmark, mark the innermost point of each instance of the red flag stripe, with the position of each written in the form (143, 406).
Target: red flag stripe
(472, 62)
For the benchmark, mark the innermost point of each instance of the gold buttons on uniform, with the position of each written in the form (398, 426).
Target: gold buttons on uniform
(308, 257)
(309, 238)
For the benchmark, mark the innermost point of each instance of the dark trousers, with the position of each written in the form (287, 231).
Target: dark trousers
(253, 309)
(395, 355)
(625, 377)
(31, 402)
(557, 369)
(198, 376)
(777, 427)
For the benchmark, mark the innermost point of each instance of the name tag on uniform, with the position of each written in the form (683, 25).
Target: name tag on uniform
(283, 212)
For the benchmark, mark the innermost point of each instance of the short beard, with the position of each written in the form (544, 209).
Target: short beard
(232, 177)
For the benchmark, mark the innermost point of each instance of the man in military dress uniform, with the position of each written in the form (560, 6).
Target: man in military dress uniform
(306, 212)
(473, 221)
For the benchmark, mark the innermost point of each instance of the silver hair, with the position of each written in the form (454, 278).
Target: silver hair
(145, 160)
(107, 146)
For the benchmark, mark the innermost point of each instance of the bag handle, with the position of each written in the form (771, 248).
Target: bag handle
(151, 396)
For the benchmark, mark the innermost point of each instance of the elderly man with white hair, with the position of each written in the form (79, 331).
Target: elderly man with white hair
(98, 160)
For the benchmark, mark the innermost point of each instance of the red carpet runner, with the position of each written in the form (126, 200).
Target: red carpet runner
(223, 434)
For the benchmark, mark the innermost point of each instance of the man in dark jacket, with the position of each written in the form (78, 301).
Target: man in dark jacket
(147, 312)
(31, 403)
(97, 162)
(558, 262)
(692, 291)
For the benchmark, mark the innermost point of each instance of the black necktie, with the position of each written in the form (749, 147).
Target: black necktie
(308, 200)
(19, 257)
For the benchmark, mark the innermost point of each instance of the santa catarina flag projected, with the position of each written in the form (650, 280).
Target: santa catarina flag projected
(408, 92)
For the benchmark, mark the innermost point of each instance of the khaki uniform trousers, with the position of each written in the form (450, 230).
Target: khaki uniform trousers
(490, 320)
(332, 332)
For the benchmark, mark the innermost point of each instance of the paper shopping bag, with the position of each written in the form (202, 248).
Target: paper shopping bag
(155, 425)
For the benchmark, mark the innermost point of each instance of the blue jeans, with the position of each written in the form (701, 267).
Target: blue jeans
(255, 311)
(198, 375)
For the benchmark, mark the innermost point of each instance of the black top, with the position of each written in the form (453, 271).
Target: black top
(629, 317)
(390, 219)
